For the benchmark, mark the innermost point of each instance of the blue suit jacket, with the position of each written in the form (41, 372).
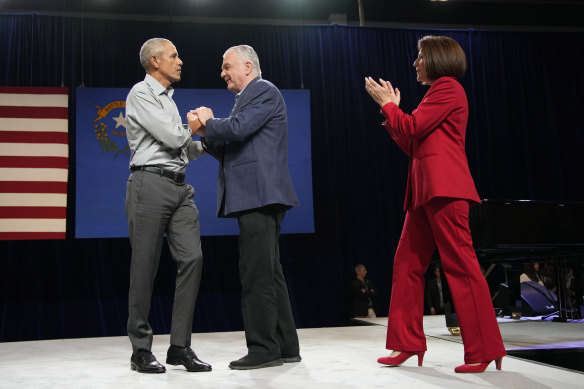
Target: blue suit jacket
(252, 148)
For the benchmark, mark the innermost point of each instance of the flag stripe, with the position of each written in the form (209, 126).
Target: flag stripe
(23, 90)
(35, 162)
(30, 100)
(34, 112)
(33, 212)
(32, 187)
(34, 149)
(32, 124)
(31, 235)
(32, 225)
(33, 200)
(34, 137)
(25, 174)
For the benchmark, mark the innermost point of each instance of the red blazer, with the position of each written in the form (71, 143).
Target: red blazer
(433, 136)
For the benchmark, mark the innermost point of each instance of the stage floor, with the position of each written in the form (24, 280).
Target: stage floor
(339, 358)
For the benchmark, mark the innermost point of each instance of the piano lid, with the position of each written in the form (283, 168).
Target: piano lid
(516, 224)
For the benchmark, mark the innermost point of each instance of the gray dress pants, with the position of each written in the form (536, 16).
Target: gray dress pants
(156, 205)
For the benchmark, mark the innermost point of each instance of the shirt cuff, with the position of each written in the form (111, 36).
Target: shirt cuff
(195, 150)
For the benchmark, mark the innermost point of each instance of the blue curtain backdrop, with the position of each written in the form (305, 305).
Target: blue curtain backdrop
(524, 141)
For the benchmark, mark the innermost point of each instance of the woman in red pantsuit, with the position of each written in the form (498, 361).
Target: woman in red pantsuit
(439, 192)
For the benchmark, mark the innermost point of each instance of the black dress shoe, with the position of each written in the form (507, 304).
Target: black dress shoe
(186, 356)
(291, 358)
(144, 362)
(255, 361)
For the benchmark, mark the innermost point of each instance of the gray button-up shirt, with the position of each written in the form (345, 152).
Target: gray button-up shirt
(154, 128)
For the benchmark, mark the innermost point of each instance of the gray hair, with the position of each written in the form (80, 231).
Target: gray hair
(151, 47)
(247, 54)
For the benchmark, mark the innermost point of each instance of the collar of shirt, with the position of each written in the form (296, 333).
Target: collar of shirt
(157, 87)
(251, 82)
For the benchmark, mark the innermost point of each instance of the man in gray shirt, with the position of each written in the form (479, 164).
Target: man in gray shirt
(158, 201)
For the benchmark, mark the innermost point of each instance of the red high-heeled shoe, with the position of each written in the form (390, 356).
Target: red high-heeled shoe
(481, 367)
(401, 358)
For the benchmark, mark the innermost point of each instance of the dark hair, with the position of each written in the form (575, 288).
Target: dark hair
(529, 270)
(443, 57)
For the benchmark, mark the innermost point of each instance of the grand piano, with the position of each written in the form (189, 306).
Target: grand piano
(522, 229)
(512, 232)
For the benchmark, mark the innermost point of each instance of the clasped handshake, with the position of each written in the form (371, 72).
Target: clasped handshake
(197, 119)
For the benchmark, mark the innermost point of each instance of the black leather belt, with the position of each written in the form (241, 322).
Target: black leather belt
(176, 177)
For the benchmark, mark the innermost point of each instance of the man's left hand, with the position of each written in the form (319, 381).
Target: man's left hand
(204, 114)
(194, 122)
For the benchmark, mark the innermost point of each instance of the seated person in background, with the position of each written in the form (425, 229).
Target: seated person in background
(549, 276)
(434, 299)
(363, 294)
(570, 286)
(531, 273)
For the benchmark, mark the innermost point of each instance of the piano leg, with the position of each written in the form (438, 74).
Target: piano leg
(567, 273)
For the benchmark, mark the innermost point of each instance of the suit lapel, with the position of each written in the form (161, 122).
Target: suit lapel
(241, 97)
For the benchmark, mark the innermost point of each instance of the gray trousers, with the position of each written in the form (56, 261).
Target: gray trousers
(156, 205)
(265, 304)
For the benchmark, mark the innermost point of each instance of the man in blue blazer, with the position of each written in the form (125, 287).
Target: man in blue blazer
(254, 186)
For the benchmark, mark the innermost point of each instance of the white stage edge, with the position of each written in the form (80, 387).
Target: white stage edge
(336, 358)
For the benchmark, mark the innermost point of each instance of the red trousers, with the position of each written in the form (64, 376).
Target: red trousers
(442, 223)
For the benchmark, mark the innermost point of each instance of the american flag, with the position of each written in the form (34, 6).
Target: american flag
(34, 152)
